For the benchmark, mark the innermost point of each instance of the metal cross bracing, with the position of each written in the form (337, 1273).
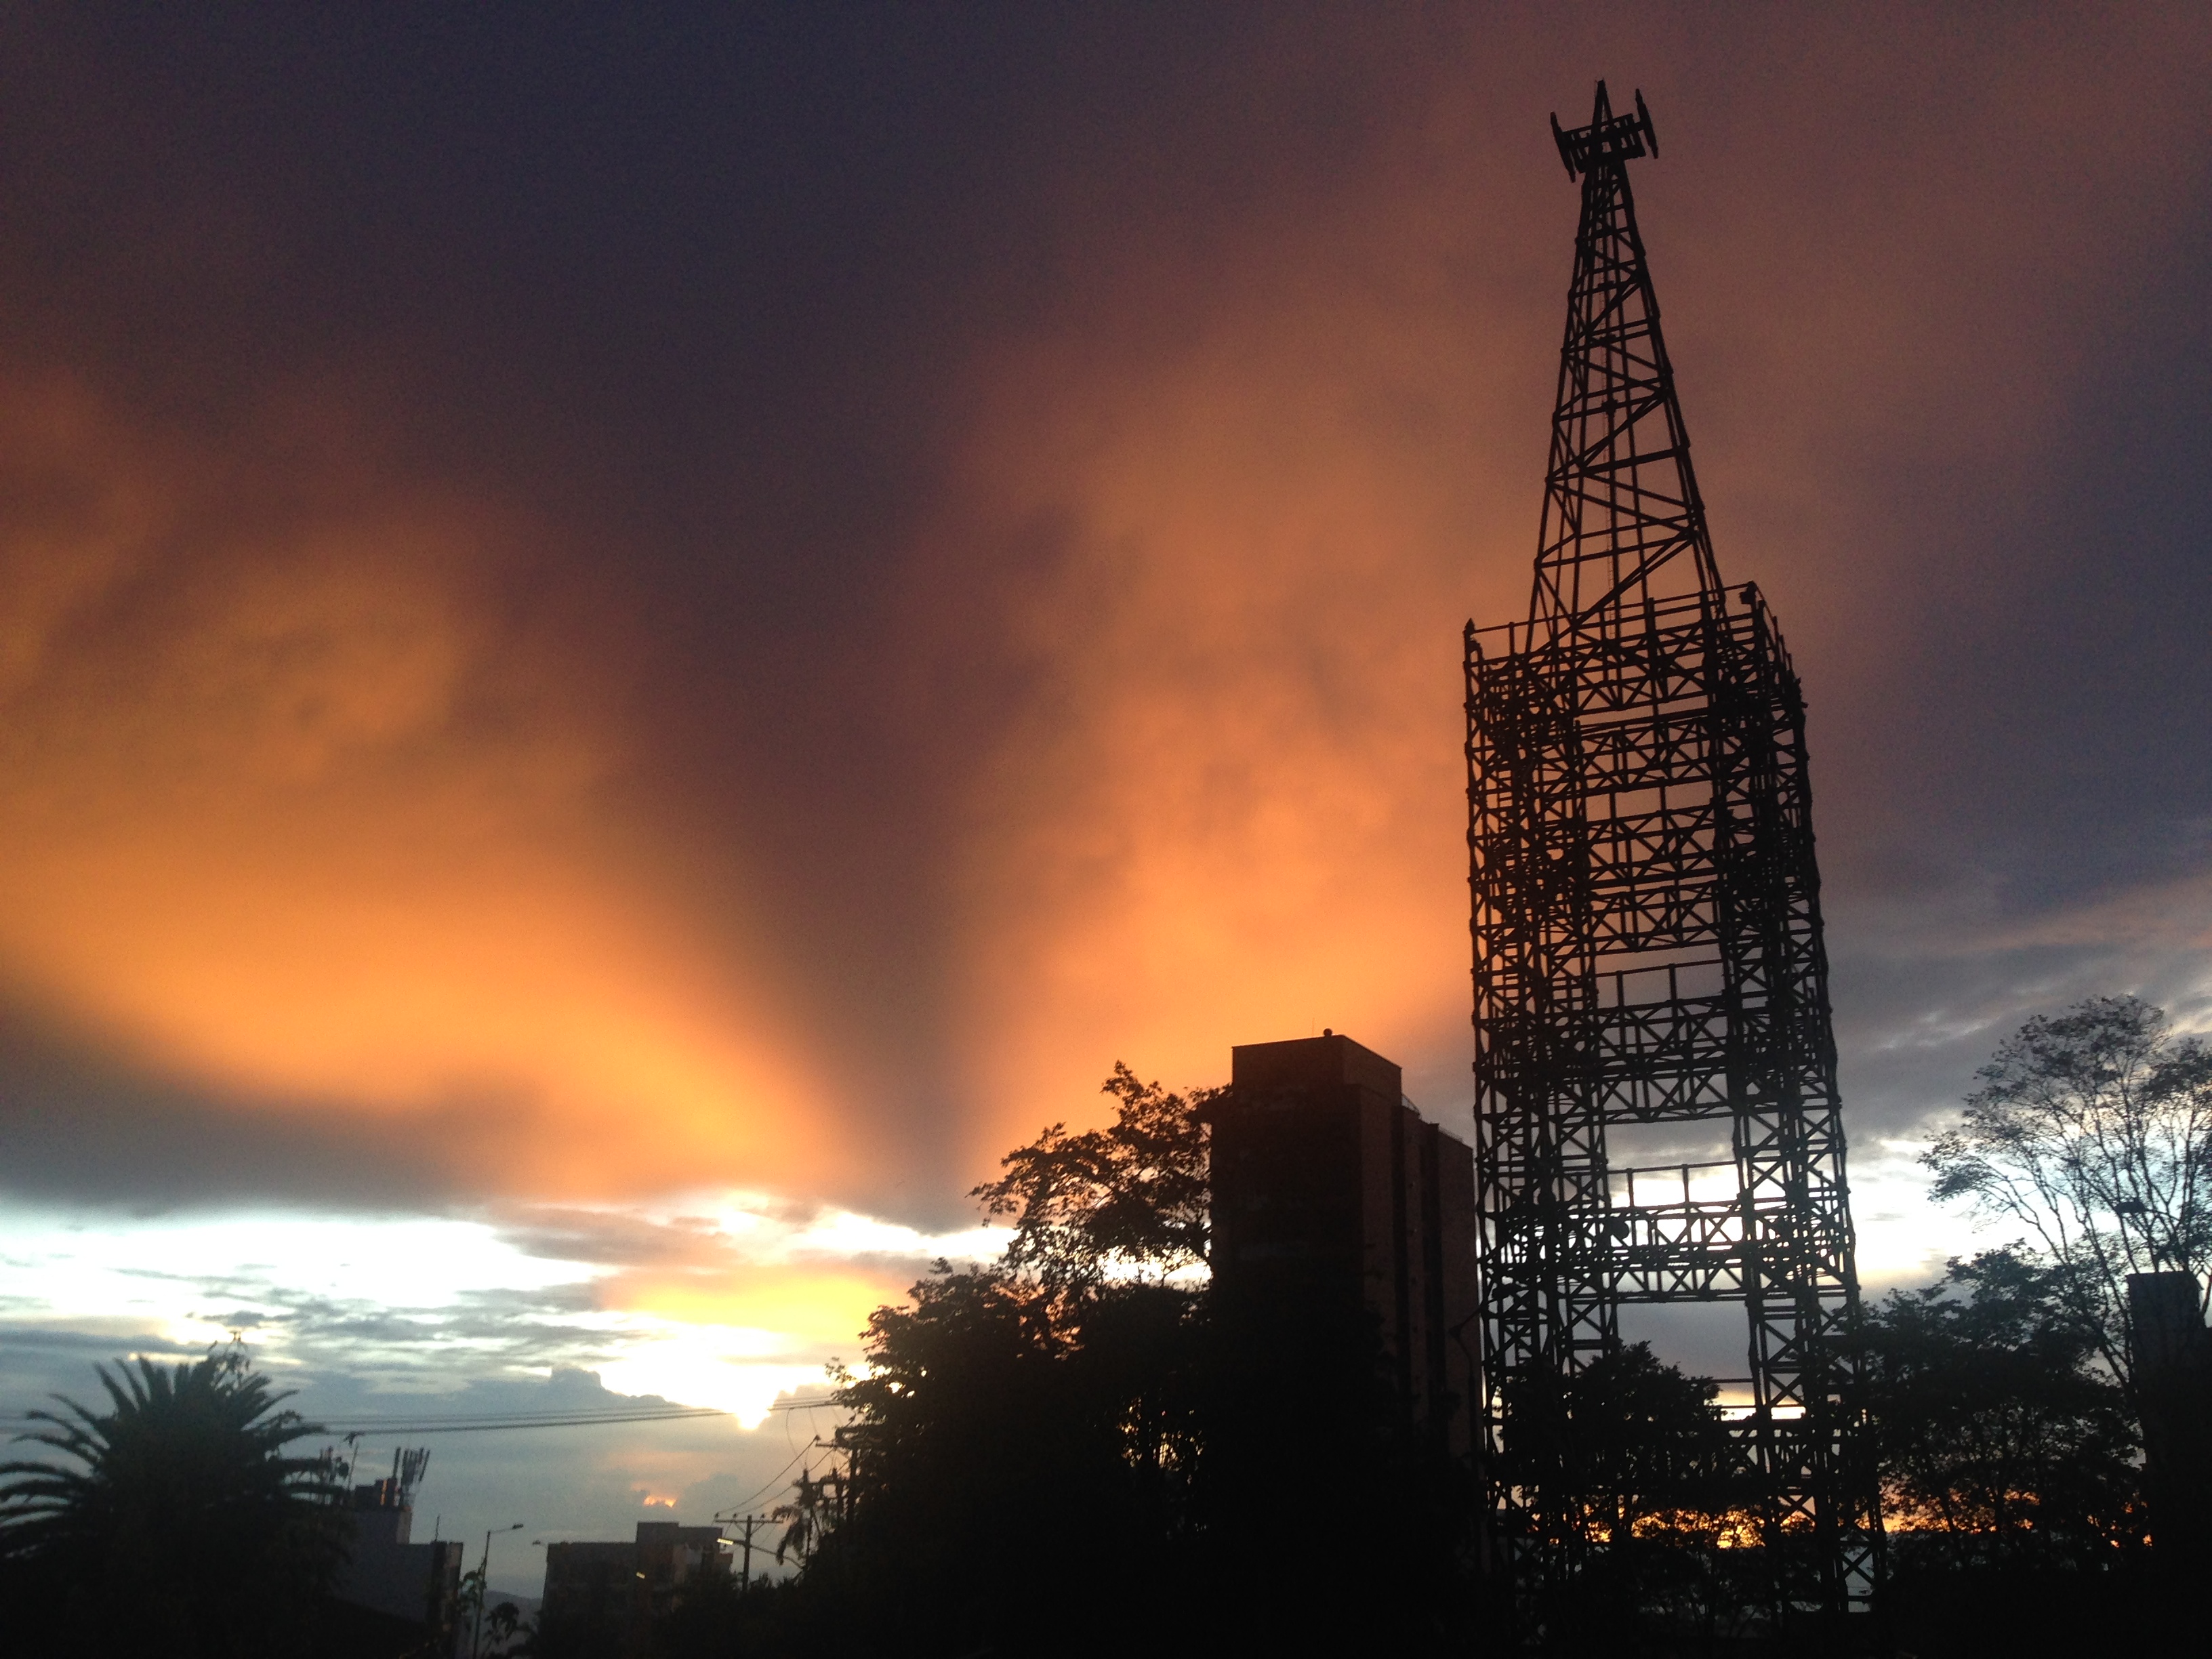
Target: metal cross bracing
(1647, 947)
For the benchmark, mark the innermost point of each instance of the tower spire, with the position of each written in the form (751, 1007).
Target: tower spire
(1649, 966)
(1623, 521)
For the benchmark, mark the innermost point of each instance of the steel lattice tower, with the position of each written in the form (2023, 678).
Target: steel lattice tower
(1648, 946)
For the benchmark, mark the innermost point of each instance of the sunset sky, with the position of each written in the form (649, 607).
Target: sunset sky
(630, 641)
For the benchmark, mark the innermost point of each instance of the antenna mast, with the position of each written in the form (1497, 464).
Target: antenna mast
(1649, 970)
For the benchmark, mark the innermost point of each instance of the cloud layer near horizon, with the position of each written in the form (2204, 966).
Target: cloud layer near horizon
(588, 615)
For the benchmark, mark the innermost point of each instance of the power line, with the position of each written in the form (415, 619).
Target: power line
(776, 1480)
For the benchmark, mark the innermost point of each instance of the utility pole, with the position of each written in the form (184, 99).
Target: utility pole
(751, 1523)
(483, 1588)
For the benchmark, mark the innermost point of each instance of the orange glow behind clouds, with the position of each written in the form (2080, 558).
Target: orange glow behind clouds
(304, 803)
(289, 815)
(1233, 816)
(804, 1306)
(1273, 477)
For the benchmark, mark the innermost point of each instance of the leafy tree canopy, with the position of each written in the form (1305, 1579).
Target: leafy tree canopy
(1627, 1437)
(2092, 1131)
(1126, 1201)
(2001, 1436)
(1017, 1425)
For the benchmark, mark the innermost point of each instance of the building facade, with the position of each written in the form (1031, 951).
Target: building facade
(386, 1572)
(606, 1597)
(1345, 1224)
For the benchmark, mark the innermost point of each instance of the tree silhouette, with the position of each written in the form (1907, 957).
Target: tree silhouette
(1004, 1449)
(1127, 1201)
(808, 1515)
(469, 1597)
(1627, 1439)
(1629, 1471)
(1032, 1459)
(1019, 1427)
(503, 1628)
(2002, 1437)
(2009, 1480)
(177, 1524)
(2092, 1131)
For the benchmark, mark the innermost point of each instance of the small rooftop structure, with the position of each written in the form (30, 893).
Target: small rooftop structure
(609, 1595)
(386, 1571)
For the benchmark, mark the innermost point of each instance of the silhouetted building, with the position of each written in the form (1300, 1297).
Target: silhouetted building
(389, 1574)
(605, 1598)
(2174, 1380)
(1343, 1251)
(1345, 1221)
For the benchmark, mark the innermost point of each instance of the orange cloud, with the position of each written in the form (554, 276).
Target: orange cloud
(1230, 813)
(808, 1308)
(292, 811)
(324, 789)
(1231, 506)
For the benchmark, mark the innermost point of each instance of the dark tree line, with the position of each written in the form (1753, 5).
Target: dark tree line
(1999, 1434)
(1042, 1454)
(1018, 1473)
(1074, 1451)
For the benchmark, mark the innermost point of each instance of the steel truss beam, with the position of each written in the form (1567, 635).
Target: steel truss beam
(1647, 947)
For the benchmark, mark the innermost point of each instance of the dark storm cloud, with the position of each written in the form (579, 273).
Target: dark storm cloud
(862, 563)
(79, 1123)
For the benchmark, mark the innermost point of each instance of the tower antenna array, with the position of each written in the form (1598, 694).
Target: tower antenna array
(1648, 953)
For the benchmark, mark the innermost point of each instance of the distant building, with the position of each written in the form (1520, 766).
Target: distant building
(1343, 1238)
(2174, 1384)
(387, 1573)
(1344, 1306)
(605, 1598)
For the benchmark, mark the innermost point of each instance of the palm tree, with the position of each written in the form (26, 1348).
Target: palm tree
(183, 1528)
(811, 1514)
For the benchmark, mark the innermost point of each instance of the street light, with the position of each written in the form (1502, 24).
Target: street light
(483, 1588)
